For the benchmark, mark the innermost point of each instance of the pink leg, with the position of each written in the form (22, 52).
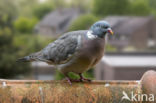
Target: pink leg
(69, 81)
(83, 79)
(72, 80)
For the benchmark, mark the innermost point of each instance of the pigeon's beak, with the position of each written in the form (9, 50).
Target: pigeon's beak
(110, 31)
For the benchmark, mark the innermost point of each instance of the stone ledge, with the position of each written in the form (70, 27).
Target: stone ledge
(38, 91)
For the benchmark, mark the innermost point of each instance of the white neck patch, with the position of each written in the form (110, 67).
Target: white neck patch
(90, 35)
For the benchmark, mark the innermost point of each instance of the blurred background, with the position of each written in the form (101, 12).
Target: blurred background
(27, 26)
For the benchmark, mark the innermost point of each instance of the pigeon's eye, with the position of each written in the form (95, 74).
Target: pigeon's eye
(105, 27)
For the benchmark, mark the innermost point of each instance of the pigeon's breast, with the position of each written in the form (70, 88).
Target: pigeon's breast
(90, 52)
(93, 49)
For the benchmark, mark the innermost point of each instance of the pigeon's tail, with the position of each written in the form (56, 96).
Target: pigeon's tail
(29, 58)
(25, 59)
(38, 56)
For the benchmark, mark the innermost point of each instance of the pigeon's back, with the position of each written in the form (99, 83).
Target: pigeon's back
(60, 51)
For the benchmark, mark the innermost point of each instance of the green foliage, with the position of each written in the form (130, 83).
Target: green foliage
(121, 7)
(58, 3)
(110, 48)
(29, 44)
(24, 24)
(88, 74)
(140, 8)
(83, 5)
(25, 7)
(9, 52)
(8, 56)
(83, 22)
(110, 7)
(7, 13)
(152, 3)
(41, 10)
(13, 45)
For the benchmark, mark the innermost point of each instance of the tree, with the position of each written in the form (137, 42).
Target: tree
(83, 22)
(42, 9)
(152, 3)
(24, 7)
(24, 24)
(7, 14)
(110, 7)
(121, 7)
(83, 5)
(58, 3)
(8, 51)
(140, 8)
(8, 56)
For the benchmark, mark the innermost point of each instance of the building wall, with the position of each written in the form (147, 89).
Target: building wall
(49, 31)
(154, 30)
(44, 30)
(103, 72)
(140, 38)
(106, 72)
(130, 73)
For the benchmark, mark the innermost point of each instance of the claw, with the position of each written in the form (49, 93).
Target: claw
(72, 80)
(69, 81)
(84, 79)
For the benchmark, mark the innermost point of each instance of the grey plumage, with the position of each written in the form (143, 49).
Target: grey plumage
(75, 51)
(61, 50)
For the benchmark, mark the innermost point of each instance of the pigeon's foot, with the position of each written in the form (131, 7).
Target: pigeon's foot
(69, 80)
(72, 80)
(84, 79)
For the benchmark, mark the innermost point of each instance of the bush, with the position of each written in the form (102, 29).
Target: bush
(8, 56)
(41, 10)
(122, 7)
(140, 8)
(83, 22)
(88, 74)
(29, 44)
(110, 7)
(110, 48)
(25, 25)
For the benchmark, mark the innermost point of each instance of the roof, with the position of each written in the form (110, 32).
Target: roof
(130, 60)
(127, 24)
(58, 16)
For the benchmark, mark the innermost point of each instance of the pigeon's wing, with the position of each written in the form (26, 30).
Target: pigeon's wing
(62, 50)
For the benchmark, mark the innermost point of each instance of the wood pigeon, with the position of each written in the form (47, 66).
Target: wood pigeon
(75, 51)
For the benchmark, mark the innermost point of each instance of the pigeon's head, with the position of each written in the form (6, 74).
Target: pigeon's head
(100, 28)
